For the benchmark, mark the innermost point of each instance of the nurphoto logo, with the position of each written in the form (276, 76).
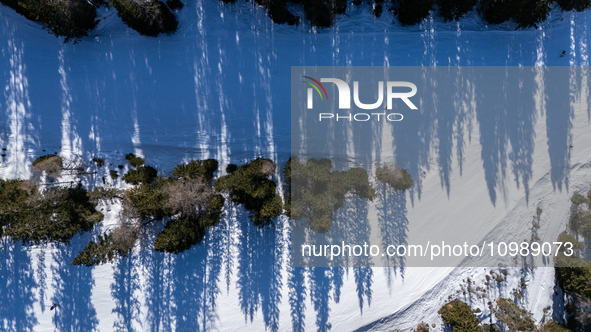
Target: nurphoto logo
(344, 99)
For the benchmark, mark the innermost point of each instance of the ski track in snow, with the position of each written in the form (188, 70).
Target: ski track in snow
(219, 88)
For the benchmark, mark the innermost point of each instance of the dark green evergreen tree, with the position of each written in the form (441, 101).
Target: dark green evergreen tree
(460, 317)
(142, 174)
(578, 5)
(71, 19)
(148, 18)
(411, 12)
(526, 13)
(250, 185)
(452, 10)
(188, 230)
(514, 317)
(54, 216)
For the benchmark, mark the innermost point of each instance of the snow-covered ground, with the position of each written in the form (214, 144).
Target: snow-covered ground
(219, 88)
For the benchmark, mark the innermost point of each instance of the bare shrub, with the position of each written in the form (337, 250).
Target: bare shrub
(395, 176)
(189, 197)
(268, 167)
(422, 327)
(129, 213)
(50, 164)
(31, 188)
(124, 237)
(392, 171)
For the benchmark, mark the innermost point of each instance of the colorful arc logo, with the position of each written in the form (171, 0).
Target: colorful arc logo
(316, 87)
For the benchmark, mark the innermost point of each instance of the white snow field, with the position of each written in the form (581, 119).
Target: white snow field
(219, 88)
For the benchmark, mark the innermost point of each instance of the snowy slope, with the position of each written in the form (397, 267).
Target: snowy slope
(220, 88)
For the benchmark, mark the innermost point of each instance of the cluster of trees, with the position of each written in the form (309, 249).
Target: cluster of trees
(33, 212)
(53, 215)
(573, 272)
(190, 201)
(250, 185)
(461, 318)
(69, 18)
(149, 18)
(321, 13)
(56, 214)
(317, 192)
(73, 19)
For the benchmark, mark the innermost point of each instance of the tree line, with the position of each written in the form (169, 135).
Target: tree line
(73, 19)
(322, 13)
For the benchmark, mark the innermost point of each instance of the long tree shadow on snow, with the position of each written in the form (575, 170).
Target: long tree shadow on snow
(260, 261)
(197, 276)
(158, 289)
(17, 288)
(393, 223)
(559, 117)
(73, 289)
(124, 291)
(296, 283)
